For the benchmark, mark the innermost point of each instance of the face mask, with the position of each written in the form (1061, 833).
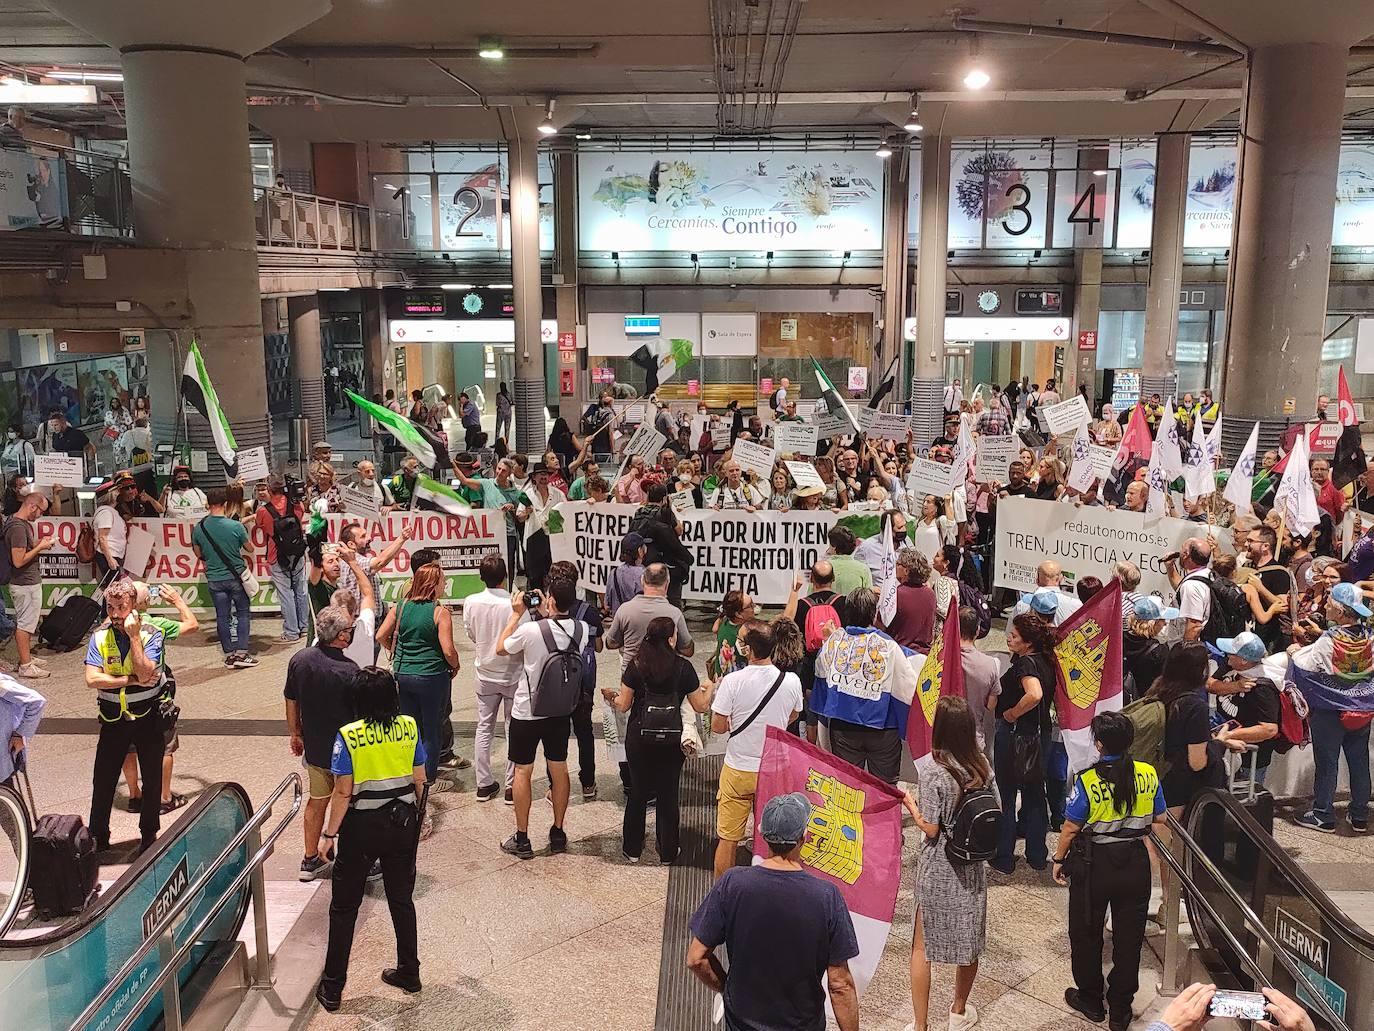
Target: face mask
(26, 490)
(182, 484)
(11, 435)
(54, 426)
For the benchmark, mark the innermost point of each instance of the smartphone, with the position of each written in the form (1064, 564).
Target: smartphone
(154, 592)
(1238, 1005)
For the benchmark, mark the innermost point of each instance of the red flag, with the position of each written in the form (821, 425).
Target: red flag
(941, 676)
(1345, 404)
(1087, 659)
(1137, 440)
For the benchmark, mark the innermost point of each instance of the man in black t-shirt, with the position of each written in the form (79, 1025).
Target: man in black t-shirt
(66, 439)
(1247, 693)
(1274, 632)
(822, 593)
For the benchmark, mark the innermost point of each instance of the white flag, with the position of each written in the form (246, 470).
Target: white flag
(1168, 445)
(964, 451)
(1242, 480)
(1081, 473)
(887, 584)
(1159, 481)
(1213, 445)
(1296, 498)
(1199, 478)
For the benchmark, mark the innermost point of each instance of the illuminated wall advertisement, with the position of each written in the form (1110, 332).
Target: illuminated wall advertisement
(1211, 194)
(1004, 188)
(1136, 161)
(1355, 197)
(730, 202)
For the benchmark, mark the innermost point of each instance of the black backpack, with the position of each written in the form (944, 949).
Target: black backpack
(287, 535)
(1228, 613)
(974, 828)
(661, 719)
(558, 689)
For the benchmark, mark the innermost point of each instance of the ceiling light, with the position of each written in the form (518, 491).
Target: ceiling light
(976, 78)
(80, 75)
(583, 136)
(546, 127)
(500, 286)
(913, 120)
(884, 149)
(1099, 171)
(54, 93)
(455, 286)
(489, 48)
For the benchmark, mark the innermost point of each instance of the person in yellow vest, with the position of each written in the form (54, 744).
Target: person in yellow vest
(124, 666)
(1187, 408)
(1208, 409)
(1154, 412)
(379, 779)
(1101, 856)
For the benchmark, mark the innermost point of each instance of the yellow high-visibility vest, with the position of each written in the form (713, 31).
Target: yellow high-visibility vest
(383, 761)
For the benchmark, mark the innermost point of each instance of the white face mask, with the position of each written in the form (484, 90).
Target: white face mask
(54, 426)
(11, 435)
(26, 490)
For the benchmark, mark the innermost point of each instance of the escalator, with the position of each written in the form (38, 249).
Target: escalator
(159, 933)
(1260, 917)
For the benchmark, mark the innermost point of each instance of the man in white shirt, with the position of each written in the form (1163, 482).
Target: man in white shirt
(954, 397)
(1193, 585)
(747, 702)
(484, 615)
(734, 492)
(1047, 599)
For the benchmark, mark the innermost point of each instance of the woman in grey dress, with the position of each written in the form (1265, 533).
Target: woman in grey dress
(950, 924)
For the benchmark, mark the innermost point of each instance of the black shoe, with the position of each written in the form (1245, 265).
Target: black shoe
(489, 792)
(144, 844)
(513, 846)
(1091, 1009)
(558, 840)
(328, 998)
(406, 982)
(135, 805)
(1119, 1020)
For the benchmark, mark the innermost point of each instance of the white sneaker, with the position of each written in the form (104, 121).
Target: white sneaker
(39, 662)
(32, 671)
(963, 1021)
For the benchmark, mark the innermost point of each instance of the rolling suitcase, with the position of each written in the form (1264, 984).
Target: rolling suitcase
(1256, 801)
(65, 874)
(70, 624)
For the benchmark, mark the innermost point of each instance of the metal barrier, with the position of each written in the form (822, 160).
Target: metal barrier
(74, 191)
(161, 935)
(305, 221)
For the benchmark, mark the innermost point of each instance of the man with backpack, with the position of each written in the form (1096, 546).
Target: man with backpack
(283, 524)
(1247, 686)
(550, 646)
(820, 609)
(1194, 586)
(19, 567)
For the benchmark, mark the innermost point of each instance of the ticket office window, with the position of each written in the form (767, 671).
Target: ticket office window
(839, 341)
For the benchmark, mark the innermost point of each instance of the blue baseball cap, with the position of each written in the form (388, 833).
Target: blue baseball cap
(785, 819)
(1349, 596)
(1148, 607)
(1245, 646)
(1044, 601)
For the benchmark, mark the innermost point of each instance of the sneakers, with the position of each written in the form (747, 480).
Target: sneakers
(627, 857)
(509, 797)
(406, 982)
(1312, 821)
(285, 638)
(963, 1021)
(589, 792)
(1359, 826)
(489, 792)
(558, 840)
(231, 662)
(315, 868)
(244, 661)
(1091, 1009)
(33, 671)
(513, 846)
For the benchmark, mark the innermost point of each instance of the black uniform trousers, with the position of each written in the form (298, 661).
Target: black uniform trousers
(364, 836)
(1116, 875)
(145, 736)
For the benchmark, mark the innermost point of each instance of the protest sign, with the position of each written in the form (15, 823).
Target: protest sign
(457, 436)
(59, 470)
(928, 477)
(682, 501)
(253, 464)
(864, 416)
(755, 458)
(1102, 459)
(888, 425)
(795, 438)
(835, 425)
(1087, 541)
(804, 474)
(720, 436)
(755, 552)
(995, 455)
(138, 551)
(1066, 416)
(361, 504)
(200, 461)
(646, 441)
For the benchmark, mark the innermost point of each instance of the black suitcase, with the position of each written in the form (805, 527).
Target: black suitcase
(65, 873)
(70, 624)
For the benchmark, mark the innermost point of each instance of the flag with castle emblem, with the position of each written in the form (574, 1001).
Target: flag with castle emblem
(941, 676)
(854, 839)
(1087, 661)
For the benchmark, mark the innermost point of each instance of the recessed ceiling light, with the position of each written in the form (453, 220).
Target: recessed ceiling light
(500, 286)
(976, 78)
(583, 136)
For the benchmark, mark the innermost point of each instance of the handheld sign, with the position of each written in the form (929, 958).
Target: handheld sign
(59, 470)
(253, 464)
(804, 474)
(755, 458)
(995, 455)
(360, 503)
(795, 438)
(1066, 416)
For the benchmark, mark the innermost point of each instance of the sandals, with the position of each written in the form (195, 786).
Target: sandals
(173, 804)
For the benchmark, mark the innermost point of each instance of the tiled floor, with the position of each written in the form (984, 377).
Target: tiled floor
(562, 942)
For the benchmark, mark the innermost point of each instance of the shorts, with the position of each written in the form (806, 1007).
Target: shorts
(525, 736)
(321, 782)
(734, 802)
(28, 606)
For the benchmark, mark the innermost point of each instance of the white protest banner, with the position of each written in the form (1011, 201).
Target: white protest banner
(360, 504)
(755, 458)
(795, 438)
(755, 552)
(646, 441)
(59, 470)
(460, 540)
(928, 477)
(804, 474)
(995, 455)
(1087, 541)
(1066, 416)
(253, 464)
(720, 436)
(888, 425)
(682, 501)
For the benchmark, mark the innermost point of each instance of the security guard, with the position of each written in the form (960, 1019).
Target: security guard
(1154, 412)
(379, 777)
(1208, 409)
(124, 665)
(1101, 856)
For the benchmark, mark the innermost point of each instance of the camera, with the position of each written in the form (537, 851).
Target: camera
(533, 599)
(295, 491)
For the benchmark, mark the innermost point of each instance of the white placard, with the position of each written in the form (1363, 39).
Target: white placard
(927, 477)
(804, 474)
(858, 377)
(888, 425)
(138, 551)
(1101, 459)
(832, 424)
(755, 458)
(646, 441)
(59, 470)
(795, 438)
(253, 464)
(863, 415)
(1066, 416)
(720, 436)
(200, 461)
(682, 501)
(457, 436)
(360, 503)
(995, 455)
(635, 412)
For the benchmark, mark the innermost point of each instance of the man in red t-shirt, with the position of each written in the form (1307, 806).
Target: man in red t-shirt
(1329, 497)
(284, 526)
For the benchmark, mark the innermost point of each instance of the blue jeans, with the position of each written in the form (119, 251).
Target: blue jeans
(292, 583)
(426, 698)
(1329, 740)
(232, 619)
(1032, 802)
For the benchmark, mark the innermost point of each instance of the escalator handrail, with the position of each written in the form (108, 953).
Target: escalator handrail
(1252, 919)
(154, 937)
(96, 911)
(9, 797)
(1278, 857)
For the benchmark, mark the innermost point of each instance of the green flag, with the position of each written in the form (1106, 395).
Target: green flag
(413, 437)
(441, 496)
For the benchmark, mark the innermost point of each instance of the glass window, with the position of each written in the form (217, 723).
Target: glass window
(837, 340)
(1193, 351)
(1120, 339)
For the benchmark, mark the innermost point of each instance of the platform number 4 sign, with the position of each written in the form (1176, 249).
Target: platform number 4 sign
(1085, 208)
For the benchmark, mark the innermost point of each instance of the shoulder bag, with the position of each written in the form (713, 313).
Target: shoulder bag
(249, 581)
(761, 706)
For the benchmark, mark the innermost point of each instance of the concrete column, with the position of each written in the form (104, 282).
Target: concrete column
(1081, 366)
(307, 363)
(566, 290)
(894, 269)
(530, 434)
(1159, 368)
(1291, 114)
(375, 344)
(928, 376)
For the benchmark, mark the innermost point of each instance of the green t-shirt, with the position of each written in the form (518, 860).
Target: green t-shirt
(577, 491)
(230, 535)
(171, 630)
(494, 496)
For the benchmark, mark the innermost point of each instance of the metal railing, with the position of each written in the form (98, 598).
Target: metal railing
(74, 191)
(308, 222)
(162, 938)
